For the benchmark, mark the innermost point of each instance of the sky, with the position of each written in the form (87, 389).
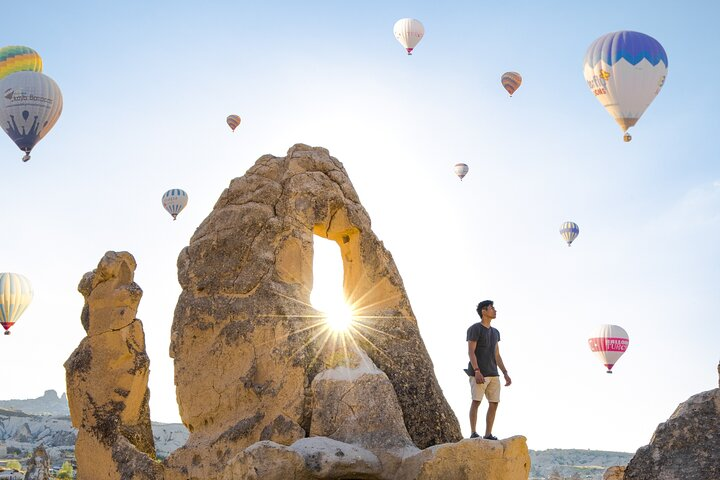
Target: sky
(147, 87)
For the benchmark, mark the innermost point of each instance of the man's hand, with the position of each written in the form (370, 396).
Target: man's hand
(508, 380)
(479, 377)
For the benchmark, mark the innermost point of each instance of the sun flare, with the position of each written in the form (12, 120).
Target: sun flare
(339, 317)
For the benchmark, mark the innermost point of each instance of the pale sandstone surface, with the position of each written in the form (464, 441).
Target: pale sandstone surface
(244, 313)
(470, 459)
(686, 446)
(107, 376)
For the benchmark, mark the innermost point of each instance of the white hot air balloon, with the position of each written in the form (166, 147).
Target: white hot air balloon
(409, 32)
(625, 71)
(569, 232)
(30, 105)
(16, 293)
(461, 170)
(609, 342)
(174, 201)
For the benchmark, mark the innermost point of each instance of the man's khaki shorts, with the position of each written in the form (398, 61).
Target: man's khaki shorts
(490, 389)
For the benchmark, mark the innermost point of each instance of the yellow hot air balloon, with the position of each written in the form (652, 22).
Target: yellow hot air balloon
(16, 293)
(30, 105)
(511, 81)
(16, 58)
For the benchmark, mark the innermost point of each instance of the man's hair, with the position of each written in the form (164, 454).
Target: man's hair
(483, 305)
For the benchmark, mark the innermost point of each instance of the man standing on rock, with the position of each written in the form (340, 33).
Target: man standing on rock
(485, 359)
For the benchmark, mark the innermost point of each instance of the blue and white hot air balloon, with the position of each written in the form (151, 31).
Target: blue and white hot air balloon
(625, 71)
(174, 201)
(569, 231)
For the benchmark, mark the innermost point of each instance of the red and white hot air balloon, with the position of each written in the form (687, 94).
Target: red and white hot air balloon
(409, 32)
(609, 342)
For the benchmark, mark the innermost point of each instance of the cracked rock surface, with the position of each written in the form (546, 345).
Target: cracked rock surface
(107, 377)
(246, 342)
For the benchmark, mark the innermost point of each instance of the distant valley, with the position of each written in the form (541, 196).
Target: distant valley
(24, 424)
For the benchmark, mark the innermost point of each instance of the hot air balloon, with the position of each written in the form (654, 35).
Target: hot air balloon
(174, 201)
(461, 170)
(511, 81)
(569, 231)
(609, 342)
(15, 295)
(31, 103)
(625, 71)
(409, 32)
(233, 121)
(16, 58)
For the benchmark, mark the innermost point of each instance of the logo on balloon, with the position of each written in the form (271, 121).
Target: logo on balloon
(9, 93)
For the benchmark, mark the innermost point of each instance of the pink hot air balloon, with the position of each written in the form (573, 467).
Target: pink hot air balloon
(609, 342)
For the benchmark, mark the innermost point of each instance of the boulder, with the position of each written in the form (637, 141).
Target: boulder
(355, 403)
(686, 446)
(107, 378)
(38, 467)
(470, 459)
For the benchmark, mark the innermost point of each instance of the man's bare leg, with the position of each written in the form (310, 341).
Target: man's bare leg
(490, 418)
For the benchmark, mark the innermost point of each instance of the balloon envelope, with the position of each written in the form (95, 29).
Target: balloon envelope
(233, 121)
(16, 293)
(174, 200)
(609, 342)
(625, 71)
(569, 231)
(409, 32)
(461, 170)
(17, 58)
(511, 81)
(30, 105)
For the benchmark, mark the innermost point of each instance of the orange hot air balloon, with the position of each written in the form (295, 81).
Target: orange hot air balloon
(233, 121)
(511, 81)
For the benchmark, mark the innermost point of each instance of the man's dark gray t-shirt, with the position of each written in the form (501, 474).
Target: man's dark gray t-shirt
(487, 340)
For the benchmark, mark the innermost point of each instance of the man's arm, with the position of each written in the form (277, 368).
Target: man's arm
(499, 361)
(473, 362)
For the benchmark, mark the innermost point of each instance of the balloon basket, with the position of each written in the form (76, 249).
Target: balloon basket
(7, 332)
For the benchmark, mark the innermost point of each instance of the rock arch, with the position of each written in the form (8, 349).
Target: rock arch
(244, 336)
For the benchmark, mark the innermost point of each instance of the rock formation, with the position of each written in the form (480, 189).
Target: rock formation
(244, 311)
(38, 467)
(266, 390)
(614, 473)
(107, 378)
(686, 446)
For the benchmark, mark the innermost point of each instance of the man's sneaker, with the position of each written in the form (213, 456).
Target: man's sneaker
(490, 437)
(474, 435)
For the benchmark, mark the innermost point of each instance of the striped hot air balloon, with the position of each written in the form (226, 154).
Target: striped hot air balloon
(609, 342)
(569, 231)
(30, 105)
(625, 71)
(17, 58)
(174, 201)
(233, 121)
(409, 32)
(16, 293)
(461, 170)
(511, 81)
